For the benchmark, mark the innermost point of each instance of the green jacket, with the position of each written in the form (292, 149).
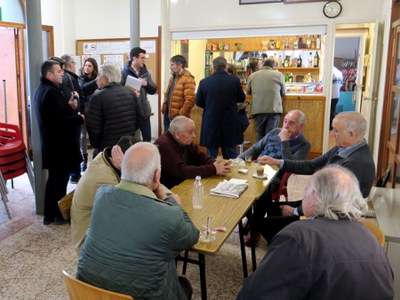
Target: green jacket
(132, 242)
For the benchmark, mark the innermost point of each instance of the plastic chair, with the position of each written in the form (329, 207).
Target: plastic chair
(282, 189)
(14, 160)
(376, 231)
(79, 290)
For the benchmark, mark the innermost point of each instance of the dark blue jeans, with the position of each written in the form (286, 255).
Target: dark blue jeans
(227, 152)
(166, 122)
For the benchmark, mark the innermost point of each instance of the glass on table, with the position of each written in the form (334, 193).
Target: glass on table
(248, 159)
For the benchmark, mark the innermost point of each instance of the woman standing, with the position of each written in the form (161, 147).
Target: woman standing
(87, 82)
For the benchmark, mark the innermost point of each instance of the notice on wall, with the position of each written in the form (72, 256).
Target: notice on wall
(95, 56)
(90, 48)
(117, 47)
(103, 48)
(116, 60)
(149, 46)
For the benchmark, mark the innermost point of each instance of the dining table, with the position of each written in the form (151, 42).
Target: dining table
(220, 215)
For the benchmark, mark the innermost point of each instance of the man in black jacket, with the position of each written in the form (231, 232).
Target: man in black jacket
(58, 121)
(114, 111)
(350, 151)
(70, 87)
(135, 67)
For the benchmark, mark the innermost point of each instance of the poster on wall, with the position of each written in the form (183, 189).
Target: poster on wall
(89, 48)
(95, 56)
(103, 48)
(117, 47)
(149, 46)
(116, 60)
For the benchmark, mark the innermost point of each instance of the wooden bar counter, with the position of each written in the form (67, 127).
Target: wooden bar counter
(313, 105)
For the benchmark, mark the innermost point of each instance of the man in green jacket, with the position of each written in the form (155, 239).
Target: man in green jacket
(136, 231)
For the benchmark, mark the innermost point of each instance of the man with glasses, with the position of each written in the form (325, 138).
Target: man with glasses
(136, 68)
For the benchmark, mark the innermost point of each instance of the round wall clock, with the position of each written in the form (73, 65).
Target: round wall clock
(332, 9)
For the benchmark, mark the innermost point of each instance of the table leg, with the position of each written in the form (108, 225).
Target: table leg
(185, 259)
(252, 241)
(203, 285)
(242, 249)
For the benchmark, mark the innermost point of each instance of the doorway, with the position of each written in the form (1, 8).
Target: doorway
(355, 45)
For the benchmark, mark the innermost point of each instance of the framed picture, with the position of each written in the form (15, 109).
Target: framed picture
(301, 1)
(242, 2)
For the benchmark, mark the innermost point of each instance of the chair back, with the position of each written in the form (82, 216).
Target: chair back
(79, 290)
(382, 181)
(282, 189)
(376, 231)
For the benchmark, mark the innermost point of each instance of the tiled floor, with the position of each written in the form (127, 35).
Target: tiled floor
(32, 255)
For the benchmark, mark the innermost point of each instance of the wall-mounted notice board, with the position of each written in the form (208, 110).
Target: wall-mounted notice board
(116, 51)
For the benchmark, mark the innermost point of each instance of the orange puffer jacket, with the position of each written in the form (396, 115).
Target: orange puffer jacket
(183, 96)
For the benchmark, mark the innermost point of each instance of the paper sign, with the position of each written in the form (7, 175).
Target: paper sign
(133, 82)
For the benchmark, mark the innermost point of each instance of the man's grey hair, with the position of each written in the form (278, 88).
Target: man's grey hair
(111, 72)
(219, 63)
(354, 121)
(67, 59)
(141, 165)
(178, 124)
(338, 194)
(301, 115)
(269, 62)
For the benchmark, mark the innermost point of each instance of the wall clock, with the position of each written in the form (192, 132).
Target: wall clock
(332, 9)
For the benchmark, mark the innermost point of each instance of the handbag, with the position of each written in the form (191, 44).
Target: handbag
(243, 119)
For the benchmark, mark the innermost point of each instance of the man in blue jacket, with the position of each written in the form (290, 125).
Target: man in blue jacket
(218, 95)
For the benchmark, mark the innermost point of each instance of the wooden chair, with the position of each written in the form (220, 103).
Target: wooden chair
(376, 231)
(382, 181)
(282, 190)
(79, 290)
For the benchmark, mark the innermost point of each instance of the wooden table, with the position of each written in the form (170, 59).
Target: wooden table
(224, 212)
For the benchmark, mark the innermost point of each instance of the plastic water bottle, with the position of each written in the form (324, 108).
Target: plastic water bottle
(198, 193)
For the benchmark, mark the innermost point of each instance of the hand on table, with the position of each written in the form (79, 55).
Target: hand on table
(266, 160)
(223, 167)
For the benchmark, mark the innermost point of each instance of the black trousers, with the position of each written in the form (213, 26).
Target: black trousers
(56, 188)
(272, 221)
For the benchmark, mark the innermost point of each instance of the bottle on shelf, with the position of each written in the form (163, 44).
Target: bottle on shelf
(312, 42)
(299, 62)
(198, 193)
(286, 62)
(300, 43)
(286, 43)
(308, 42)
(280, 63)
(316, 60)
(287, 77)
(291, 77)
(318, 42)
(310, 60)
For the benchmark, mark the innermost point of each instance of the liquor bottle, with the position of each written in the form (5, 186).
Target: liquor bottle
(280, 63)
(312, 42)
(299, 62)
(310, 60)
(198, 193)
(316, 60)
(286, 43)
(291, 77)
(308, 42)
(318, 43)
(300, 43)
(286, 62)
(287, 77)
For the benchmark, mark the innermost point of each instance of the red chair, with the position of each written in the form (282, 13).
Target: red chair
(282, 190)
(14, 160)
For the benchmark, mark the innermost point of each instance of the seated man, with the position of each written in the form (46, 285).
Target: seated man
(136, 232)
(287, 142)
(181, 159)
(332, 255)
(350, 151)
(104, 169)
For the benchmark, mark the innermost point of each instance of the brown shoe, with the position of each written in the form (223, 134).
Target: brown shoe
(256, 237)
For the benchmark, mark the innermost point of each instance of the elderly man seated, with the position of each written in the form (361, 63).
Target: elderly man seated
(332, 255)
(105, 168)
(181, 158)
(350, 151)
(136, 232)
(287, 142)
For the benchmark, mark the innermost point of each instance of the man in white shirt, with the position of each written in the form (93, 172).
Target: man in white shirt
(337, 81)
